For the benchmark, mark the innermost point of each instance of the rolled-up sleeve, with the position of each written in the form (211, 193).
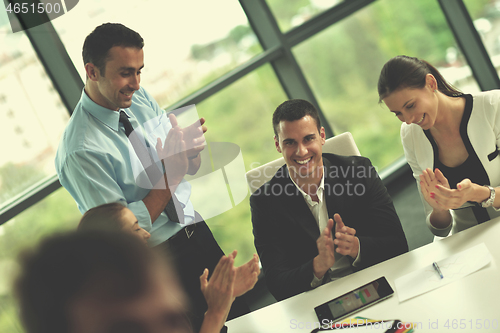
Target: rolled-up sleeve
(91, 180)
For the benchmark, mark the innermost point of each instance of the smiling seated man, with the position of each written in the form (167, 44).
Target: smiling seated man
(322, 216)
(109, 282)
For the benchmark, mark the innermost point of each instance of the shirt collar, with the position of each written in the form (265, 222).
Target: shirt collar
(106, 116)
(320, 191)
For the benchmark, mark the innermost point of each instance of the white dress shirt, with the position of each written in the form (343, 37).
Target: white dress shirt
(342, 266)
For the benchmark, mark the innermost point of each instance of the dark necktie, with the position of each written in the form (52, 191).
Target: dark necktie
(154, 174)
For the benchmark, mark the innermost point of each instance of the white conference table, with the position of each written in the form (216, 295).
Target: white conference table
(474, 299)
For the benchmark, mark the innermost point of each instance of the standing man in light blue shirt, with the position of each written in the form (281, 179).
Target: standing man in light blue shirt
(96, 163)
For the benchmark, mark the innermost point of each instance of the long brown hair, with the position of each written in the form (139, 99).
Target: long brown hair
(409, 72)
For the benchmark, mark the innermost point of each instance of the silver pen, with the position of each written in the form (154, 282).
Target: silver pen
(436, 268)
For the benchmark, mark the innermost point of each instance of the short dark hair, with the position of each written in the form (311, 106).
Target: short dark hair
(409, 72)
(65, 266)
(106, 217)
(98, 43)
(294, 109)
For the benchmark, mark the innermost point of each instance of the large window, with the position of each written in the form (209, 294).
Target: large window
(187, 43)
(196, 46)
(343, 62)
(33, 116)
(292, 13)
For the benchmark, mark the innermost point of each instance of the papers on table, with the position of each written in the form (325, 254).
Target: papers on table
(453, 268)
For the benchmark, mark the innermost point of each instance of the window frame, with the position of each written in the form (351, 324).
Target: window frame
(277, 51)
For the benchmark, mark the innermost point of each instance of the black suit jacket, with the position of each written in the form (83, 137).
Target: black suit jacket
(285, 230)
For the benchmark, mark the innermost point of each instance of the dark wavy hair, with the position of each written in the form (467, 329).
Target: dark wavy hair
(98, 43)
(408, 72)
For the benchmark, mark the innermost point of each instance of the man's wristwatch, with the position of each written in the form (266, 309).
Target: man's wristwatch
(488, 202)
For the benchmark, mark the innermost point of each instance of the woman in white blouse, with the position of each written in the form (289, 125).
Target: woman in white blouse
(450, 140)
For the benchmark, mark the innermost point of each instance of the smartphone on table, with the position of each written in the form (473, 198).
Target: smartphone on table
(354, 300)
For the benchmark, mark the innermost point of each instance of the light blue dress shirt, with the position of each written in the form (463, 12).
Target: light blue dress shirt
(97, 165)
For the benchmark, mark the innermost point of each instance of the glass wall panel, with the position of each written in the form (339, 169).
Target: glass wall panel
(33, 116)
(242, 114)
(57, 212)
(292, 13)
(343, 62)
(187, 43)
(486, 17)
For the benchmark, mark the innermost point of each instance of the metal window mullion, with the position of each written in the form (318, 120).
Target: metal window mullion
(28, 198)
(470, 43)
(228, 78)
(324, 20)
(287, 69)
(56, 61)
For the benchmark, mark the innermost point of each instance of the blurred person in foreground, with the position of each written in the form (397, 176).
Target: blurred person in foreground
(109, 282)
(322, 216)
(450, 140)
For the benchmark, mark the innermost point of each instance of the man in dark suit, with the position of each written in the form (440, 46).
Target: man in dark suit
(322, 216)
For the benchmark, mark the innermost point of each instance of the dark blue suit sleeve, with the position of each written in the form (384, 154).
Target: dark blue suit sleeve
(286, 273)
